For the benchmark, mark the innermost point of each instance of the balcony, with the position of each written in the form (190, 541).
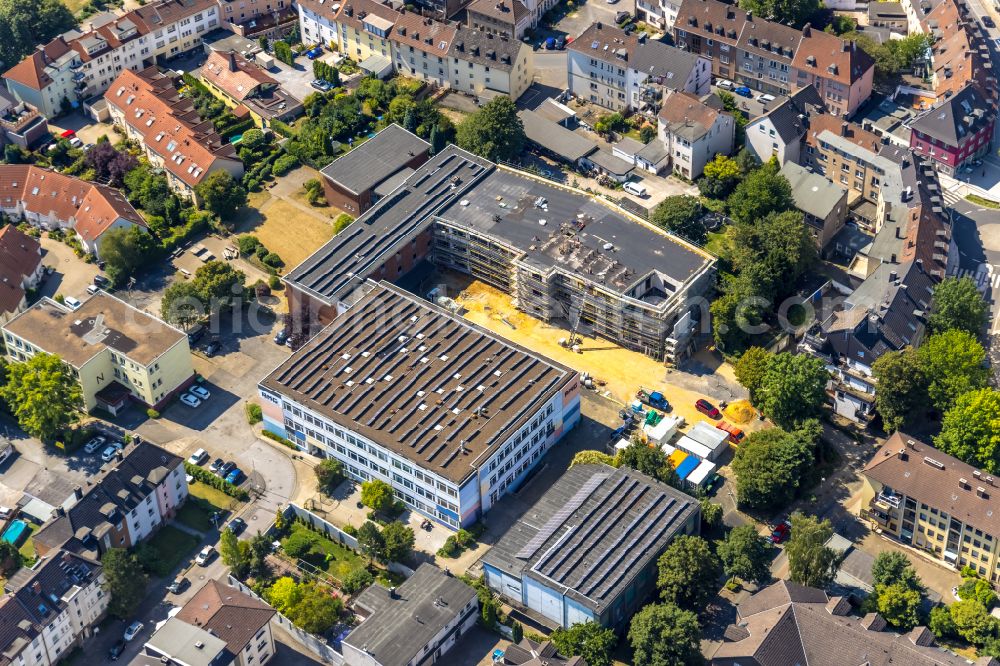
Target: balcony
(79, 76)
(76, 64)
(887, 501)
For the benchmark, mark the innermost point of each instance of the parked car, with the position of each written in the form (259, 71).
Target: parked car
(178, 585)
(743, 91)
(321, 85)
(194, 335)
(116, 651)
(72, 303)
(550, 44)
(213, 348)
(198, 457)
(281, 337)
(725, 84)
(314, 52)
(226, 469)
(109, 453)
(76, 142)
(235, 476)
(204, 556)
(237, 525)
(94, 444)
(622, 17)
(560, 43)
(102, 281)
(216, 465)
(988, 22)
(190, 400)
(133, 630)
(781, 532)
(200, 391)
(707, 408)
(765, 98)
(92, 289)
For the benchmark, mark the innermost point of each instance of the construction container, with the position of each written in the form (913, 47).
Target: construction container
(695, 448)
(676, 458)
(685, 468)
(715, 439)
(701, 474)
(665, 430)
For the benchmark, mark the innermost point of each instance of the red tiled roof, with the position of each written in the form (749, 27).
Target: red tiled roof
(30, 71)
(19, 258)
(234, 75)
(226, 612)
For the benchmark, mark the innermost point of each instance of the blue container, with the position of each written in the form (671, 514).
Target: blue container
(687, 466)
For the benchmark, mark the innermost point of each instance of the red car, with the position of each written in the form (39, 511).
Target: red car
(780, 533)
(708, 409)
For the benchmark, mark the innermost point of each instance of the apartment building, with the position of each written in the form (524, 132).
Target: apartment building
(21, 124)
(694, 131)
(81, 67)
(661, 13)
(568, 558)
(364, 29)
(955, 132)
(484, 64)
(50, 608)
(929, 500)
(133, 495)
(628, 282)
(258, 18)
(780, 132)
(775, 58)
(507, 18)
(416, 623)
(151, 111)
(823, 203)
(51, 200)
(241, 621)
(420, 47)
(20, 270)
(597, 66)
(118, 353)
(847, 154)
(242, 83)
(400, 390)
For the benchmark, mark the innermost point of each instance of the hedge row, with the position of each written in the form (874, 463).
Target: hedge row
(210, 479)
(279, 439)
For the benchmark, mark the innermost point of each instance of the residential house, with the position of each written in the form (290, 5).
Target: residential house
(242, 83)
(20, 270)
(787, 623)
(174, 138)
(421, 47)
(51, 200)
(655, 69)
(507, 18)
(177, 643)
(597, 66)
(775, 58)
(364, 29)
(263, 18)
(119, 353)
(694, 131)
(955, 132)
(823, 204)
(661, 13)
(931, 501)
(133, 496)
(417, 622)
(780, 131)
(354, 182)
(563, 561)
(485, 65)
(318, 22)
(21, 124)
(51, 608)
(888, 15)
(74, 69)
(241, 621)
(533, 653)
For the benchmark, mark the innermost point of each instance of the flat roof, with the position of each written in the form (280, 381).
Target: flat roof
(103, 321)
(554, 137)
(502, 203)
(593, 532)
(185, 643)
(419, 380)
(403, 622)
(812, 192)
(375, 160)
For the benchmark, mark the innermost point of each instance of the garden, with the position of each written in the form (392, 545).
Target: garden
(165, 551)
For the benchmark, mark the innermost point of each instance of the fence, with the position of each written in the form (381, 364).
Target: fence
(313, 643)
(330, 530)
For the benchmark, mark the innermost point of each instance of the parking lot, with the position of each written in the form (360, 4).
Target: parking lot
(72, 275)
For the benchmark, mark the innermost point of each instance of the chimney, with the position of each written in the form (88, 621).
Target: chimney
(232, 61)
(78, 493)
(892, 276)
(392, 593)
(749, 17)
(843, 128)
(36, 587)
(873, 622)
(920, 265)
(60, 511)
(892, 259)
(806, 30)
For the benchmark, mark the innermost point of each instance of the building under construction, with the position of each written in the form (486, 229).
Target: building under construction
(560, 253)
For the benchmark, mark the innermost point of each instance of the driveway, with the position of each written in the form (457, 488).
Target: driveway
(588, 12)
(72, 274)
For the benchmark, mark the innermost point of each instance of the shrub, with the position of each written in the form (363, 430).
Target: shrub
(274, 282)
(341, 222)
(279, 439)
(301, 543)
(350, 529)
(284, 164)
(210, 479)
(248, 244)
(152, 413)
(273, 260)
(254, 414)
(357, 580)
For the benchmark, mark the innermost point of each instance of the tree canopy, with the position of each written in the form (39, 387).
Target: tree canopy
(958, 304)
(399, 540)
(665, 635)
(776, 249)
(750, 370)
(681, 214)
(650, 460)
(124, 580)
(125, 250)
(377, 494)
(182, 305)
(793, 388)
(42, 394)
(221, 193)
(810, 561)
(720, 177)
(688, 573)
(329, 474)
(590, 457)
(770, 465)
(762, 192)
(23, 25)
(588, 640)
(902, 388)
(899, 605)
(495, 131)
(891, 567)
(953, 362)
(970, 430)
(793, 12)
(745, 554)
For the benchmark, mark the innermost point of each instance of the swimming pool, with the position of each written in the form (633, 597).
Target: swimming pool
(16, 532)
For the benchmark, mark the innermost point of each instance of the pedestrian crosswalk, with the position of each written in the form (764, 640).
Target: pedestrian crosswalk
(984, 279)
(950, 198)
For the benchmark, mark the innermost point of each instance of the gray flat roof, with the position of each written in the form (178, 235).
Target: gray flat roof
(436, 191)
(425, 383)
(555, 138)
(610, 163)
(813, 193)
(366, 166)
(186, 643)
(593, 532)
(401, 624)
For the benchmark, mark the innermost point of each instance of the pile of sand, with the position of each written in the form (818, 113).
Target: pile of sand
(740, 411)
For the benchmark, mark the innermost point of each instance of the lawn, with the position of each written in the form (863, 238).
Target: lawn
(197, 513)
(328, 555)
(215, 498)
(27, 548)
(74, 6)
(171, 545)
(718, 243)
(284, 228)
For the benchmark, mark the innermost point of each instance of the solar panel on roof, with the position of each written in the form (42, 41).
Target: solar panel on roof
(560, 516)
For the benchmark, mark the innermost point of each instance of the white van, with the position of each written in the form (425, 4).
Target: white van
(766, 98)
(635, 188)
(72, 302)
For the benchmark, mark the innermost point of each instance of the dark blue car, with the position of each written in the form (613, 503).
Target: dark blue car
(235, 476)
(743, 91)
(314, 52)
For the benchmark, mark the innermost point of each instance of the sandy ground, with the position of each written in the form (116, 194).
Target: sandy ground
(620, 372)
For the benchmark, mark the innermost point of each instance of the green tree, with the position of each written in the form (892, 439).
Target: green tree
(711, 514)
(770, 464)
(902, 388)
(219, 284)
(10, 558)
(494, 131)
(980, 590)
(665, 635)
(721, 175)
(957, 303)
(516, 632)
(954, 363)
(810, 561)
(399, 540)
(125, 250)
(329, 474)
(940, 622)
(750, 370)
(301, 543)
(899, 605)
(437, 140)
(283, 52)
(688, 573)
(972, 621)
(793, 388)
(221, 193)
(892, 567)
(647, 133)
(318, 609)
(588, 640)
(773, 251)
(371, 541)
(356, 580)
(794, 12)
(760, 193)
(253, 139)
(377, 494)
(735, 315)
(593, 458)
(232, 555)
(124, 580)
(649, 460)
(43, 395)
(182, 305)
(681, 214)
(284, 594)
(25, 24)
(745, 554)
